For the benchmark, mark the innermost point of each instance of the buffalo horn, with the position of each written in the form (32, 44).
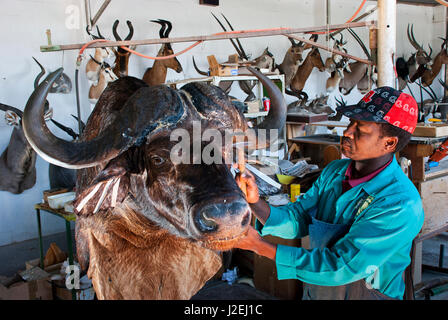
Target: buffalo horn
(74, 155)
(162, 107)
(276, 116)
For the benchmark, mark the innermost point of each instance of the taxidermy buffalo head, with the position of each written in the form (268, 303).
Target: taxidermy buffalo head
(127, 148)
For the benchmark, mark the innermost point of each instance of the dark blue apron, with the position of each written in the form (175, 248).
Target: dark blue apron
(325, 235)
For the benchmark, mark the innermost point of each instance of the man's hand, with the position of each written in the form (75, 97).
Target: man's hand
(246, 178)
(254, 242)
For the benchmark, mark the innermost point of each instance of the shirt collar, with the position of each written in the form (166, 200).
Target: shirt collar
(353, 182)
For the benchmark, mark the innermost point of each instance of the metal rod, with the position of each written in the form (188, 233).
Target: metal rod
(41, 245)
(88, 20)
(324, 47)
(100, 12)
(441, 255)
(241, 34)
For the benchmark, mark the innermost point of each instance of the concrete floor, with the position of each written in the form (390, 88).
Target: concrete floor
(14, 256)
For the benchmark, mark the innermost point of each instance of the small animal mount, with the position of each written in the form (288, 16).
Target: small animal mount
(93, 66)
(106, 75)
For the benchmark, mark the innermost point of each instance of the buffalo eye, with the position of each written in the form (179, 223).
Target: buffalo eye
(157, 160)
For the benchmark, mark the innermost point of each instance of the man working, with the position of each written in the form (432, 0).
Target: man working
(361, 214)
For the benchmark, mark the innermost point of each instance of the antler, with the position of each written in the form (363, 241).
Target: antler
(445, 40)
(340, 103)
(42, 72)
(168, 29)
(238, 47)
(237, 40)
(361, 43)
(414, 42)
(130, 34)
(99, 36)
(162, 28)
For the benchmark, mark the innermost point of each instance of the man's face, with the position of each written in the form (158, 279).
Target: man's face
(364, 140)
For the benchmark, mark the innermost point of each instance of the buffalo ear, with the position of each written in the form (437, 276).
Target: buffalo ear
(108, 189)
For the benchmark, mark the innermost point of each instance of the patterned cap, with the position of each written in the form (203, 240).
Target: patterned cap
(385, 105)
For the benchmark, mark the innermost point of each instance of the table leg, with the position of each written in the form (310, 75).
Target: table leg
(68, 233)
(41, 246)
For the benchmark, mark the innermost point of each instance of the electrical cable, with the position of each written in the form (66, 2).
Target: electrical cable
(442, 2)
(220, 33)
(348, 21)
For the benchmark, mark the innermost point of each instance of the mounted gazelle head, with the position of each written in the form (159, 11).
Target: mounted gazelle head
(157, 73)
(334, 59)
(93, 66)
(337, 74)
(106, 75)
(265, 61)
(423, 58)
(166, 49)
(121, 55)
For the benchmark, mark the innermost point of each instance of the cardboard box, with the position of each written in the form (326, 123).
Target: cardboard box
(31, 284)
(52, 269)
(33, 290)
(253, 106)
(225, 69)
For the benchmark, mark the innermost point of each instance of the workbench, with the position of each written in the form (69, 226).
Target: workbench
(433, 188)
(68, 217)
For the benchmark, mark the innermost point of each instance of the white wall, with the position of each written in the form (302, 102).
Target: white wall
(23, 26)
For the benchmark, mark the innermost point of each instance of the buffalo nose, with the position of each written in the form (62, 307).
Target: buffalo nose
(223, 217)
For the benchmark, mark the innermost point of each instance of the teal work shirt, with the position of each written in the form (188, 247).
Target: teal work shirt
(387, 212)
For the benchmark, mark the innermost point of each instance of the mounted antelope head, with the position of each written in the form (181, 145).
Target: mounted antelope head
(122, 56)
(265, 61)
(17, 162)
(312, 60)
(293, 57)
(334, 59)
(440, 59)
(106, 75)
(63, 84)
(93, 65)
(358, 74)
(157, 73)
(337, 74)
(423, 58)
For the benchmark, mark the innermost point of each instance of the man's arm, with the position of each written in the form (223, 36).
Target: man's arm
(259, 207)
(261, 210)
(254, 242)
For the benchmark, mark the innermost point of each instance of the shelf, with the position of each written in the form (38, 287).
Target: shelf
(255, 114)
(217, 79)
